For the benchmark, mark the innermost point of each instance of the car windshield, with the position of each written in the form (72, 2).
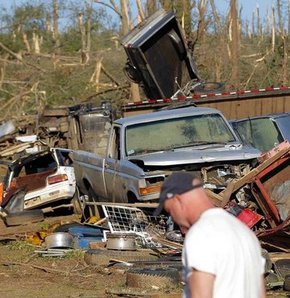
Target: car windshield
(262, 134)
(176, 133)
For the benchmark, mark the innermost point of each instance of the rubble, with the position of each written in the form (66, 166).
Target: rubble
(145, 247)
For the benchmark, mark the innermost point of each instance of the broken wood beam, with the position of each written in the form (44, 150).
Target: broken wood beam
(234, 185)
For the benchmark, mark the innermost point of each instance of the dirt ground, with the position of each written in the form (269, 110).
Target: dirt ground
(23, 273)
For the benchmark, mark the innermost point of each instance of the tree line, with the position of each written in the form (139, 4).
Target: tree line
(60, 52)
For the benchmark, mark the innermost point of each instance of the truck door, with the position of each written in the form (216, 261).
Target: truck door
(112, 166)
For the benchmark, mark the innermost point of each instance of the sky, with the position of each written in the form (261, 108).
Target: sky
(249, 6)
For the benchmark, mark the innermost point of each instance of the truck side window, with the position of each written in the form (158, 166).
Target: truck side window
(114, 150)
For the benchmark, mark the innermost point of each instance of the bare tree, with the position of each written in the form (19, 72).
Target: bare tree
(151, 6)
(84, 57)
(202, 22)
(55, 34)
(122, 11)
(273, 29)
(288, 10)
(279, 13)
(89, 10)
(141, 13)
(216, 17)
(234, 43)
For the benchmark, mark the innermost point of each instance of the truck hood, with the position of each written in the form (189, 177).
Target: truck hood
(195, 156)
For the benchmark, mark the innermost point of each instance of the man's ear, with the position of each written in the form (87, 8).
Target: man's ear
(178, 197)
(180, 200)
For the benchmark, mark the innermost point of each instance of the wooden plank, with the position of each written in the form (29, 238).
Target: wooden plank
(215, 198)
(275, 256)
(133, 205)
(56, 112)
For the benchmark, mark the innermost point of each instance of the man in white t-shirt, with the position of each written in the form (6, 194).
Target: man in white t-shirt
(221, 255)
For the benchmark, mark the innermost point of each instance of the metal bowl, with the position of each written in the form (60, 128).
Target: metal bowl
(121, 242)
(59, 240)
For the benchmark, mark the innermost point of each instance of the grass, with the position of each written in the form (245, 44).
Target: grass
(21, 245)
(76, 253)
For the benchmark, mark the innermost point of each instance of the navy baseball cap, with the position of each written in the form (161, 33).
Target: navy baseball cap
(177, 183)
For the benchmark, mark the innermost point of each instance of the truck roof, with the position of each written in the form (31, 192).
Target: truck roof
(165, 114)
(273, 116)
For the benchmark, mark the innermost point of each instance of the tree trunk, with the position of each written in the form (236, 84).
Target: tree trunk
(285, 59)
(124, 17)
(288, 10)
(220, 59)
(151, 6)
(202, 21)
(167, 5)
(217, 19)
(259, 29)
(273, 30)
(26, 42)
(83, 39)
(280, 20)
(89, 10)
(55, 34)
(234, 43)
(135, 94)
(36, 46)
(141, 14)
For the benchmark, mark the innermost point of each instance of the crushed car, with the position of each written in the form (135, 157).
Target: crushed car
(263, 132)
(40, 180)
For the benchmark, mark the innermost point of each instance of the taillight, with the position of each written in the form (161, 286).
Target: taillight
(57, 178)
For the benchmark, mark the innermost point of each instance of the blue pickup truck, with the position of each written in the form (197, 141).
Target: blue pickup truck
(263, 132)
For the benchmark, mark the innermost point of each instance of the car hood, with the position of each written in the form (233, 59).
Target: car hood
(195, 156)
(158, 57)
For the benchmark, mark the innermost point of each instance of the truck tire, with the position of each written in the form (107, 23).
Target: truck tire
(92, 210)
(151, 277)
(102, 257)
(268, 262)
(23, 217)
(286, 285)
(77, 206)
(282, 267)
(209, 87)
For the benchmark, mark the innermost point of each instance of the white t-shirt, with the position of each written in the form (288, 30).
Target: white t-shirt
(220, 244)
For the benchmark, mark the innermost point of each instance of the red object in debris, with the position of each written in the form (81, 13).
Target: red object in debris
(249, 217)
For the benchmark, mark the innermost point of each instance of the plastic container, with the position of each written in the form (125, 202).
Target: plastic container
(86, 231)
(83, 236)
(249, 217)
(84, 242)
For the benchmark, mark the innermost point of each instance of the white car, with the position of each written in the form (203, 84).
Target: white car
(43, 180)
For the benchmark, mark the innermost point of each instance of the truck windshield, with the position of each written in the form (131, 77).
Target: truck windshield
(261, 133)
(175, 133)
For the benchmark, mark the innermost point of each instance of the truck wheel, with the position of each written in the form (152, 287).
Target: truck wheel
(151, 277)
(268, 263)
(102, 257)
(208, 87)
(23, 217)
(93, 210)
(286, 285)
(77, 206)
